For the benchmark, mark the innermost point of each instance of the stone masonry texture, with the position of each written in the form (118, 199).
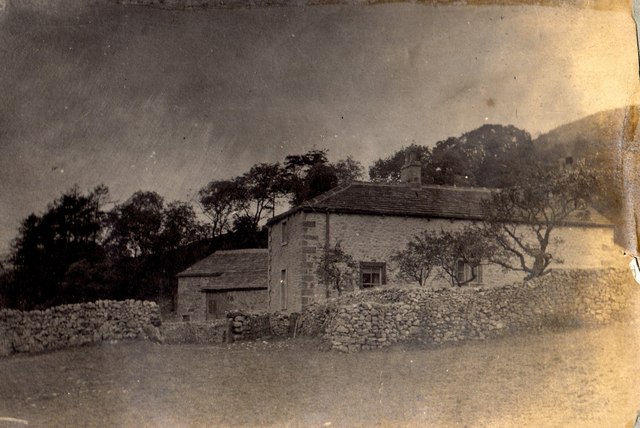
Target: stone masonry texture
(370, 238)
(78, 324)
(378, 318)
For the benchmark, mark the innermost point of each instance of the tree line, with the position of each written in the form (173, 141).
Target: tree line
(86, 246)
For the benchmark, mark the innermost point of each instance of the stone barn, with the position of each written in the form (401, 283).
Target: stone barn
(224, 281)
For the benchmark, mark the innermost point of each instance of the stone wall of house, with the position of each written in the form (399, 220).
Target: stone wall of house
(192, 300)
(77, 324)
(376, 238)
(297, 257)
(563, 299)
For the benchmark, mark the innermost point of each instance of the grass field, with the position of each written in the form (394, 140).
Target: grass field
(583, 378)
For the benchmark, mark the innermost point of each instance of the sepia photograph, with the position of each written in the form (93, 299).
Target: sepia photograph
(310, 213)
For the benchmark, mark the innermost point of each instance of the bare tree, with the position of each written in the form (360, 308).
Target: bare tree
(522, 219)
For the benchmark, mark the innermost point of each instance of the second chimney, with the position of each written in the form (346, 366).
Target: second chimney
(411, 172)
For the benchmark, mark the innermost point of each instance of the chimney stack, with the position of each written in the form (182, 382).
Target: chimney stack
(411, 172)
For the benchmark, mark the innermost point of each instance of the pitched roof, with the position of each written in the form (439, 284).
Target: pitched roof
(237, 269)
(432, 201)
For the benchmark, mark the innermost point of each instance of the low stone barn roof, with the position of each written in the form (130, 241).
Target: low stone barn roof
(232, 270)
(429, 201)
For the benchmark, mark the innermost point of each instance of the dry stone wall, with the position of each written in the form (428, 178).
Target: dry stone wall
(237, 326)
(204, 332)
(77, 324)
(254, 326)
(381, 317)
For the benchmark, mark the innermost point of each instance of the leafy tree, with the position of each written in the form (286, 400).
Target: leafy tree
(219, 200)
(311, 174)
(297, 168)
(258, 190)
(387, 170)
(521, 219)
(246, 235)
(443, 252)
(6, 288)
(489, 156)
(71, 229)
(299, 164)
(348, 170)
(88, 280)
(496, 154)
(320, 178)
(180, 226)
(450, 164)
(419, 258)
(336, 269)
(136, 224)
(468, 247)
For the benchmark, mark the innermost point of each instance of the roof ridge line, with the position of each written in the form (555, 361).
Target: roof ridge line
(326, 195)
(426, 185)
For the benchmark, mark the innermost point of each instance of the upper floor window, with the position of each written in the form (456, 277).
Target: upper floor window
(284, 233)
(372, 274)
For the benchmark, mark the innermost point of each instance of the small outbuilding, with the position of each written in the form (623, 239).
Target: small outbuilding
(223, 282)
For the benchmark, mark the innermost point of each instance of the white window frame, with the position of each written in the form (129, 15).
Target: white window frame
(372, 268)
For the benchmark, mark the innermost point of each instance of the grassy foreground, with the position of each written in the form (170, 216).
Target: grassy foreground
(573, 378)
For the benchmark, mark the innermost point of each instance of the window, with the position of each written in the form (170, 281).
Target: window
(283, 289)
(460, 271)
(464, 272)
(477, 271)
(284, 237)
(217, 305)
(211, 307)
(372, 274)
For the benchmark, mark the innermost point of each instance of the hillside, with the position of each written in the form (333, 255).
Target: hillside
(601, 136)
(600, 132)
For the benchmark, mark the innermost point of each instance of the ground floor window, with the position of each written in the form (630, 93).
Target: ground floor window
(372, 274)
(217, 304)
(464, 273)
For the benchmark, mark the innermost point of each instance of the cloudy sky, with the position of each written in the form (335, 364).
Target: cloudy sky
(139, 98)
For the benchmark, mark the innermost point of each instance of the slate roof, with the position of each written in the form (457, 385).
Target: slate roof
(430, 201)
(232, 270)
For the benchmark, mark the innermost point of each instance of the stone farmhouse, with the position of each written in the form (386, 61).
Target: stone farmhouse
(372, 221)
(222, 282)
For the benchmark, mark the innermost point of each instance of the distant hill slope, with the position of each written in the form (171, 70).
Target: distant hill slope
(599, 136)
(599, 132)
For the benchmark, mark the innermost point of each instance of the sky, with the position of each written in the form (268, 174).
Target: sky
(145, 99)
